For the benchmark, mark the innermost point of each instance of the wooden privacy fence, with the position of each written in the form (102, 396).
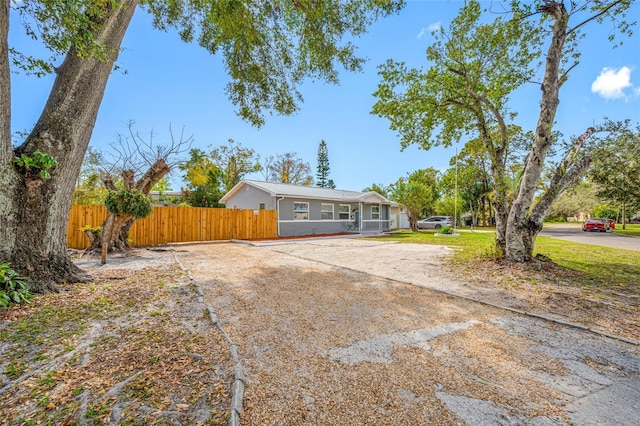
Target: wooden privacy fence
(178, 224)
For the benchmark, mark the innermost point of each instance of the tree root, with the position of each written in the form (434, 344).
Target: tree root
(117, 388)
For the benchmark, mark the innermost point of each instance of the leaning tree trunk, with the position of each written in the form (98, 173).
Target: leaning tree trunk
(35, 212)
(156, 172)
(565, 175)
(116, 227)
(519, 247)
(110, 232)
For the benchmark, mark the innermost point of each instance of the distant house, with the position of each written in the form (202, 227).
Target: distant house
(165, 198)
(309, 210)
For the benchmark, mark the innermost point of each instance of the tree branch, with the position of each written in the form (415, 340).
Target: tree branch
(596, 16)
(558, 185)
(566, 173)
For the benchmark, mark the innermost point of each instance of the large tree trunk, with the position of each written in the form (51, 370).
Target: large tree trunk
(520, 230)
(568, 171)
(500, 215)
(34, 212)
(413, 221)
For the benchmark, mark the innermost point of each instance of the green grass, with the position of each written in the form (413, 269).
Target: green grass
(467, 245)
(610, 267)
(630, 229)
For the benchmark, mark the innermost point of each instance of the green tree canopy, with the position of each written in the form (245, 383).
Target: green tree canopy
(89, 188)
(616, 165)
(418, 193)
(580, 198)
(204, 179)
(475, 66)
(379, 188)
(235, 161)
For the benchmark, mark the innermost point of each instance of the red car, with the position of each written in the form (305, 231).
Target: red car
(601, 225)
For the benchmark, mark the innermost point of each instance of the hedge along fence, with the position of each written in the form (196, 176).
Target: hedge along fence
(178, 224)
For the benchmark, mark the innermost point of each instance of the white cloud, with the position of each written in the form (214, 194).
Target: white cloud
(435, 26)
(431, 28)
(611, 83)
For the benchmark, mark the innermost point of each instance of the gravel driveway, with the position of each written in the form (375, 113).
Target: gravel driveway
(331, 332)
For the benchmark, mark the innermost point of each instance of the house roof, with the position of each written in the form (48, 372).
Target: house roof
(313, 192)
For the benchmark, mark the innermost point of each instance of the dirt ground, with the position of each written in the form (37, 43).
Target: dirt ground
(540, 288)
(357, 332)
(134, 347)
(329, 331)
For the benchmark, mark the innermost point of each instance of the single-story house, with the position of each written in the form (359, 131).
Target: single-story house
(309, 210)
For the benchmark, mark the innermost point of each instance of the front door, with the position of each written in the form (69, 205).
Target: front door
(355, 216)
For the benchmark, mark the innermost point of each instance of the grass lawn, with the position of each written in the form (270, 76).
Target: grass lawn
(630, 229)
(612, 268)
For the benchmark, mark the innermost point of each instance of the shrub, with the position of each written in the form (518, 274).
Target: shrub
(133, 203)
(604, 210)
(12, 288)
(445, 230)
(94, 229)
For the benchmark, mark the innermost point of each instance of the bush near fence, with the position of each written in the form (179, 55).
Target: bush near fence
(178, 224)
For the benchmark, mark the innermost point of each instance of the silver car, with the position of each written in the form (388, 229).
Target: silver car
(435, 222)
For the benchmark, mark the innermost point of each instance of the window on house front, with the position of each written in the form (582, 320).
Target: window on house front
(375, 212)
(326, 211)
(344, 211)
(262, 206)
(300, 210)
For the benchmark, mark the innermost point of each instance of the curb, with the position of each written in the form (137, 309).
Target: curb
(237, 390)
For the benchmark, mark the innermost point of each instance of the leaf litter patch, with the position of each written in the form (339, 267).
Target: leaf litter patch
(129, 348)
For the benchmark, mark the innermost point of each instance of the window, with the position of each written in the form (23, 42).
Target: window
(300, 210)
(326, 211)
(375, 212)
(344, 211)
(262, 206)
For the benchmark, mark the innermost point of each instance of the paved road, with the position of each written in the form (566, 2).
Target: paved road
(574, 233)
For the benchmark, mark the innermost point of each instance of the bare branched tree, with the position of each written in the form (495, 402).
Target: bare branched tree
(133, 157)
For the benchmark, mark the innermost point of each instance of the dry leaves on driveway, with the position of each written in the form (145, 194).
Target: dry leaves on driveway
(323, 343)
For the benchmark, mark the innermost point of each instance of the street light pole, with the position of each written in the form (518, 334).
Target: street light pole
(455, 197)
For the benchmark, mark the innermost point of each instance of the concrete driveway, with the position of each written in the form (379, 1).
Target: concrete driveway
(574, 233)
(344, 331)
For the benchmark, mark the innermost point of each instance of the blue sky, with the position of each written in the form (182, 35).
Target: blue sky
(170, 82)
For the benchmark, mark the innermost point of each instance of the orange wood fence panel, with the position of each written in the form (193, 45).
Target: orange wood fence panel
(178, 224)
